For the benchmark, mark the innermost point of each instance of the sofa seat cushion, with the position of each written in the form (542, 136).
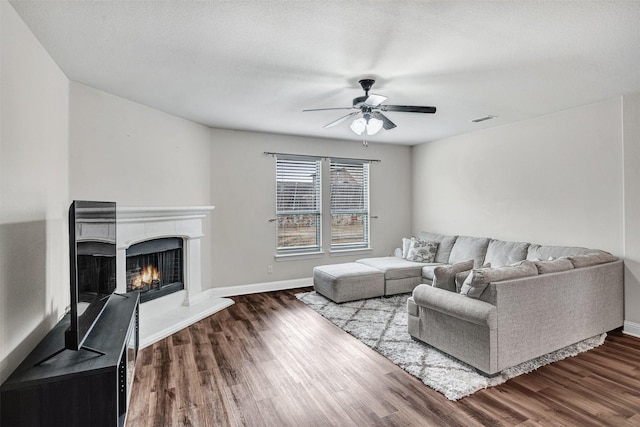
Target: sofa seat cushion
(394, 267)
(445, 244)
(479, 278)
(466, 247)
(501, 253)
(539, 252)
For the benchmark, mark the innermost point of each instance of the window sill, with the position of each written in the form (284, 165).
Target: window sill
(293, 257)
(349, 252)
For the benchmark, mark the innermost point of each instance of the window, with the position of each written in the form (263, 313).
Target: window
(298, 206)
(299, 216)
(349, 204)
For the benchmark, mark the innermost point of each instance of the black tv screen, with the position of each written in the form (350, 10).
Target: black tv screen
(92, 259)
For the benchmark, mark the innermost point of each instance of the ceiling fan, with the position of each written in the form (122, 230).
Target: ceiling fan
(371, 107)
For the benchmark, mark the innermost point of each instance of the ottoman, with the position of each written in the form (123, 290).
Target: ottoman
(401, 276)
(348, 282)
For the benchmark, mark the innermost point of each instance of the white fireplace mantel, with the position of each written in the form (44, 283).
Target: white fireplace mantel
(164, 316)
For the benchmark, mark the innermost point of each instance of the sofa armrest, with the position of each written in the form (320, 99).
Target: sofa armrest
(453, 304)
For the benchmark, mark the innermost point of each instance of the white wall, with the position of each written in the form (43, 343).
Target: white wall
(135, 155)
(631, 107)
(34, 287)
(138, 156)
(243, 191)
(556, 180)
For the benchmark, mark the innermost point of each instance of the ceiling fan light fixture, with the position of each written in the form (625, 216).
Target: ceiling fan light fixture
(371, 108)
(359, 125)
(373, 126)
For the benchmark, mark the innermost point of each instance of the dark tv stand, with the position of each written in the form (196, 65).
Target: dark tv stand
(77, 388)
(51, 356)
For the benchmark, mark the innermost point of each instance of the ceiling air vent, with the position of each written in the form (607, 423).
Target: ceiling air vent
(482, 119)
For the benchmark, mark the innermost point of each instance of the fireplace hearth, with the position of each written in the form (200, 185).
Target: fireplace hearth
(155, 267)
(164, 316)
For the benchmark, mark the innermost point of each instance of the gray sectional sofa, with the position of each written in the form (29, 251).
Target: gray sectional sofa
(494, 304)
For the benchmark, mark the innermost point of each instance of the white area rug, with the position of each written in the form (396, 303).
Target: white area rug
(381, 323)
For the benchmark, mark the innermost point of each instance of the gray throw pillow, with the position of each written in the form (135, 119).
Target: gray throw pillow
(462, 276)
(422, 251)
(594, 258)
(553, 266)
(480, 278)
(444, 277)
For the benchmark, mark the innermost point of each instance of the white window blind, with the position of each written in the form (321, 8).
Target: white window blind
(298, 206)
(349, 204)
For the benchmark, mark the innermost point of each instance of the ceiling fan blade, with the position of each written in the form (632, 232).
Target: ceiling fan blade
(340, 120)
(386, 123)
(408, 109)
(324, 109)
(374, 100)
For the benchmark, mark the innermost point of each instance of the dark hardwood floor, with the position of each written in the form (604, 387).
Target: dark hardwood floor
(269, 360)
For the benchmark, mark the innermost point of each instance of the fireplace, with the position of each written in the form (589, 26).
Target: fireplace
(164, 316)
(155, 267)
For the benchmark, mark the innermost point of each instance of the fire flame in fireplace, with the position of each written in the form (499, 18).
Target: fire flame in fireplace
(146, 277)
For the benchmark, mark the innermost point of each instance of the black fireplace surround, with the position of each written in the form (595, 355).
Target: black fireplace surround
(155, 267)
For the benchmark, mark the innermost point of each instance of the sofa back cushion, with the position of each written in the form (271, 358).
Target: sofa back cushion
(553, 266)
(445, 244)
(466, 247)
(501, 253)
(539, 252)
(592, 258)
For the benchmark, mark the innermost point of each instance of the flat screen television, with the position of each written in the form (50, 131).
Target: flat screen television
(92, 259)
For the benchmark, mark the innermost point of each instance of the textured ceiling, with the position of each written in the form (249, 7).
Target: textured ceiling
(254, 65)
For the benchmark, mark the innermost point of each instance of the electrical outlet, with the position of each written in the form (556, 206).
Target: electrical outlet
(269, 269)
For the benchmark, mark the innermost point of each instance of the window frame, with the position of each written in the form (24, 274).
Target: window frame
(357, 170)
(288, 168)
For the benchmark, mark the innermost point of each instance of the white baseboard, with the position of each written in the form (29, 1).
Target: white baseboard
(260, 287)
(631, 328)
